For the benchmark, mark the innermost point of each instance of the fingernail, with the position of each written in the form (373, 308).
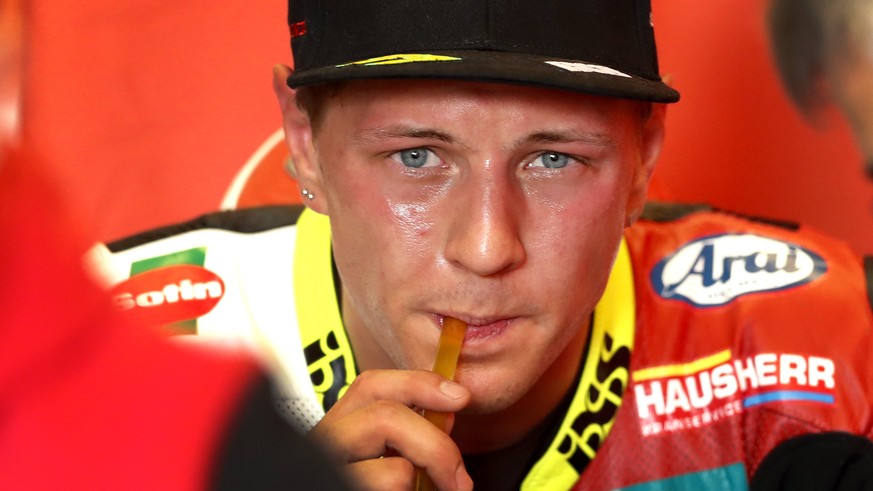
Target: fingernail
(452, 390)
(463, 480)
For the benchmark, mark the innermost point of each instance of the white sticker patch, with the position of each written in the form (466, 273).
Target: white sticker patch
(715, 270)
(587, 67)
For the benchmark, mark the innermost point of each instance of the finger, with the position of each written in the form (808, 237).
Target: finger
(380, 474)
(381, 426)
(450, 423)
(373, 430)
(413, 388)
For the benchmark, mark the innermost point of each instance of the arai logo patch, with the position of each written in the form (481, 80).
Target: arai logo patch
(717, 269)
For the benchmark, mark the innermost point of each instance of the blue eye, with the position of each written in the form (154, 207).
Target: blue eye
(416, 158)
(550, 160)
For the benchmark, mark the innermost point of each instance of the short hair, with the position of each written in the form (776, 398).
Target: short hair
(311, 99)
(811, 39)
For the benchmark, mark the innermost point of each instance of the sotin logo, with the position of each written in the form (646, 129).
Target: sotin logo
(717, 269)
(170, 290)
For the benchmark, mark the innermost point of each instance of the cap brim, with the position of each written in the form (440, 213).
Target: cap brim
(492, 66)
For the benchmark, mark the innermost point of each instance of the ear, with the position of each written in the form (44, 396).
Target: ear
(652, 139)
(298, 137)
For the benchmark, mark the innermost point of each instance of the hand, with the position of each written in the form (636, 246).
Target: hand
(378, 434)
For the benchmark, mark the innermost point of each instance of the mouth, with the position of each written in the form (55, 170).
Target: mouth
(479, 328)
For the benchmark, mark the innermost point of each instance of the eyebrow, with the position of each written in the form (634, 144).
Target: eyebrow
(556, 136)
(402, 131)
(566, 136)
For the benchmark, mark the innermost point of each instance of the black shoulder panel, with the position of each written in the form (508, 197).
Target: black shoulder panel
(246, 221)
(659, 211)
(786, 224)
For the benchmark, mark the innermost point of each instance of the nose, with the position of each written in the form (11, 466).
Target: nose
(484, 236)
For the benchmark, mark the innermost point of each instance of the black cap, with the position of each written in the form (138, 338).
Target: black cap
(601, 47)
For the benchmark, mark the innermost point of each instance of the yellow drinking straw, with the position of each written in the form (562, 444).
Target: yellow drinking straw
(446, 361)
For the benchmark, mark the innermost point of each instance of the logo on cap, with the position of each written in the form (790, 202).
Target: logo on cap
(400, 59)
(587, 68)
(297, 29)
(715, 270)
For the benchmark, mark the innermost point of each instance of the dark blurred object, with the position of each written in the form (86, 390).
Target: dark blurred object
(826, 461)
(89, 402)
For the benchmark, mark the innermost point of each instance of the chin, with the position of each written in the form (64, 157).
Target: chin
(481, 408)
(491, 397)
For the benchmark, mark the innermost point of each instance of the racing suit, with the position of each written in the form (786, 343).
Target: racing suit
(717, 338)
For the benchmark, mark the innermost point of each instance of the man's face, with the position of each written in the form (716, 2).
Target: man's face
(500, 205)
(853, 91)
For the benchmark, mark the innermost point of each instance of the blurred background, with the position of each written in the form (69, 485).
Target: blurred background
(159, 105)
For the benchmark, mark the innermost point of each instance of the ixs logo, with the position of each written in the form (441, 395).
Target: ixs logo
(327, 368)
(715, 270)
(602, 399)
(678, 397)
(169, 294)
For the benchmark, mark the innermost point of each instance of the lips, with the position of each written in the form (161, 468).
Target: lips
(481, 328)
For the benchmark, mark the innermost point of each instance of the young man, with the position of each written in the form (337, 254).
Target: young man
(822, 50)
(488, 161)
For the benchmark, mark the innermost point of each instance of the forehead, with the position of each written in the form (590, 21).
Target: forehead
(450, 98)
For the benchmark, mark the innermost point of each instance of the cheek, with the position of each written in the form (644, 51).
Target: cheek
(854, 98)
(590, 209)
(575, 244)
(412, 224)
(578, 244)
(375, 219)
(861, 121)
(382, 230)
(377, 200)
